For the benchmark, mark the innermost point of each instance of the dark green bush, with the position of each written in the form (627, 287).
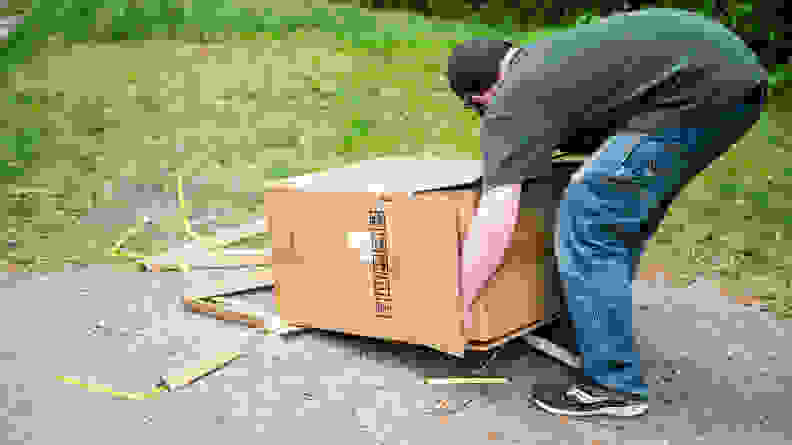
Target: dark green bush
(760, 24)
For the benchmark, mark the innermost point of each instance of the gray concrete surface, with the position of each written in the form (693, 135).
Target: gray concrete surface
(718, 372)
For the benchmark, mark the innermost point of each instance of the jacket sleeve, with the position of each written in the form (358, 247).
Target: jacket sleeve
(528, 118)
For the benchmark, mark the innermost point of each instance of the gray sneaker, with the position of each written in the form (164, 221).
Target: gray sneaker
(588, 400)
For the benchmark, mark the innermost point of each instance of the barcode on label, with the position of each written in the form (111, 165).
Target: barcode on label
(380, 272)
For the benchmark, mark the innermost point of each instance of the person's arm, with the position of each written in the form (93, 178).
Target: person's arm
(530, 115)
(488, 237)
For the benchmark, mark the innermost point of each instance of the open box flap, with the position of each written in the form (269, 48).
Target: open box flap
(392, 175)
(403, 175)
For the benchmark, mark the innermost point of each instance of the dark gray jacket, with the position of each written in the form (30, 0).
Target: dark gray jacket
(640, 71)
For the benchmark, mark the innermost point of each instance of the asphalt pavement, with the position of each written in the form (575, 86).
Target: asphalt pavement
(718, 372)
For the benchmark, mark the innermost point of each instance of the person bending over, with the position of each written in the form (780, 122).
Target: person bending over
(668, 92)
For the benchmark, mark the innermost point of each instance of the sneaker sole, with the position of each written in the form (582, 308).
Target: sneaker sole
(613, 411)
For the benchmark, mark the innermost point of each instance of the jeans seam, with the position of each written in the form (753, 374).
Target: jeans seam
(631, 150)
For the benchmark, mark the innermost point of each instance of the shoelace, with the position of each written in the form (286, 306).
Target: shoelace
(587, 394)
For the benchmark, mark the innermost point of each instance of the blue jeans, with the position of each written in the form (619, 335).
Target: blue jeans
(610, 209)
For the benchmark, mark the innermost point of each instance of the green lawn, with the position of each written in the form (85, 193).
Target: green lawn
(240, 110)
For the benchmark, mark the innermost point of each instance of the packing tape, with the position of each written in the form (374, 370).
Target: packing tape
(118, 245)
(166, 384)
(465, 380)
(211, 245)
(180, 195)
(92, 387)
(116, 249)
(206, 368)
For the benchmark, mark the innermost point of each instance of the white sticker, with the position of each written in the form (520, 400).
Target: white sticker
(364, 243)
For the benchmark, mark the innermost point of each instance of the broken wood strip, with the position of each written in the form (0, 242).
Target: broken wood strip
(197, 305)
(479, 345)
(212, 309)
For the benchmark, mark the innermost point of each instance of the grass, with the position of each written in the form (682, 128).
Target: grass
(237, 109)
(732, 223)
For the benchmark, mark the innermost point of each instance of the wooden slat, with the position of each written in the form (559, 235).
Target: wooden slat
(487, 345)
(229, 315)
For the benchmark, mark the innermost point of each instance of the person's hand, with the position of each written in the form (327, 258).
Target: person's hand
(486, 97)
(489, 235)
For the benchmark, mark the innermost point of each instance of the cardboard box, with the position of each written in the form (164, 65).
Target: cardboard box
(403, 286)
